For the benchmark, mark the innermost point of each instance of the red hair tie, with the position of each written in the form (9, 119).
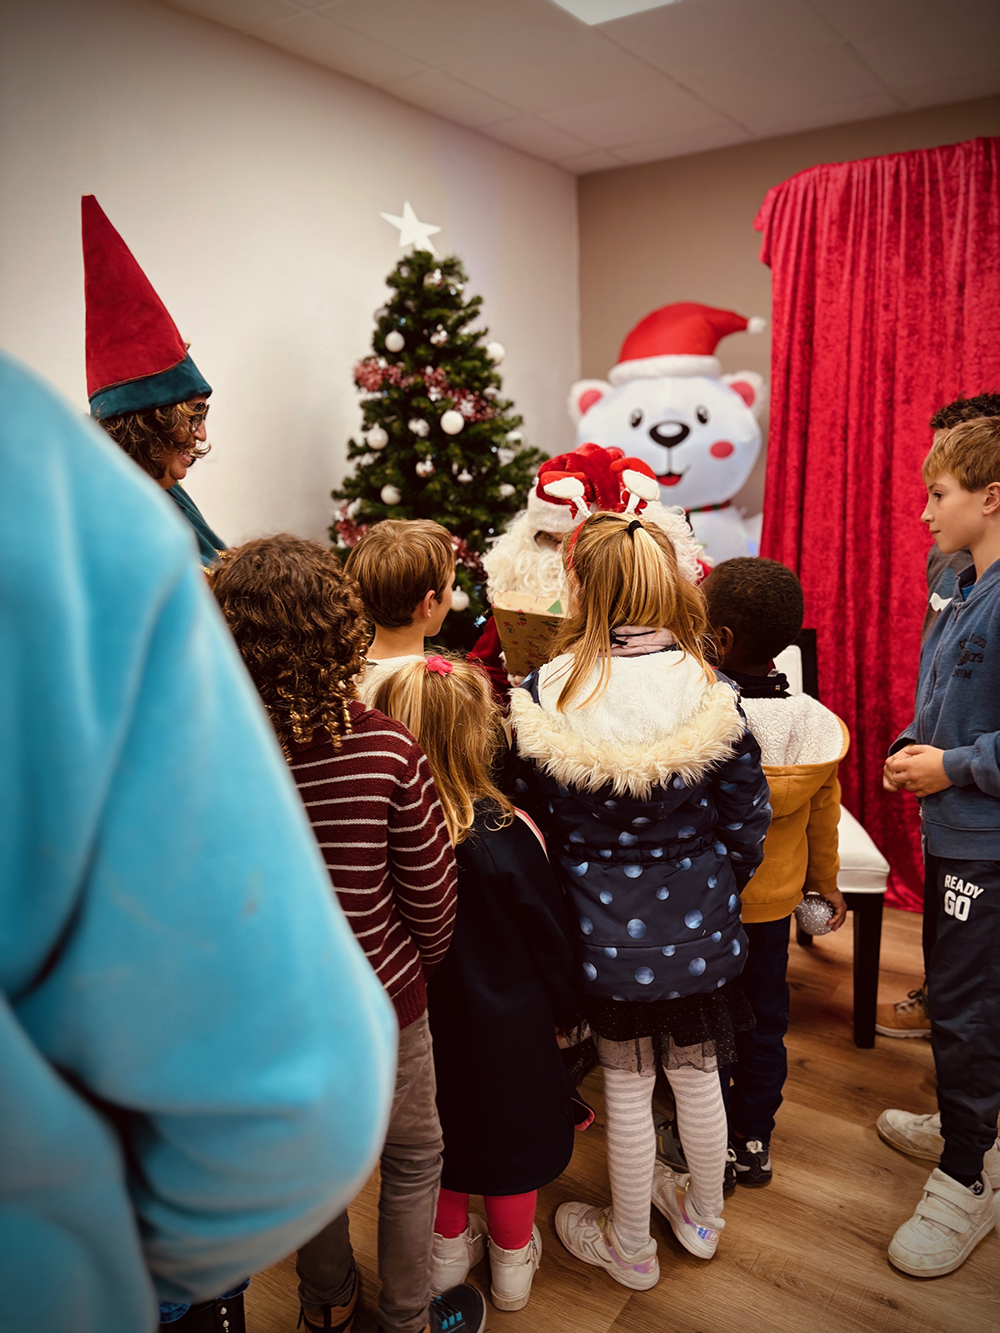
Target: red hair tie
(439, 664)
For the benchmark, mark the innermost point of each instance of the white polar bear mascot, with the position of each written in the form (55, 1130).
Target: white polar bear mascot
(668, 403)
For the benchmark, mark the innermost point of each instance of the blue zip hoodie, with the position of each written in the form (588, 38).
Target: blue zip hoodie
(958, 711)
(197, 1058)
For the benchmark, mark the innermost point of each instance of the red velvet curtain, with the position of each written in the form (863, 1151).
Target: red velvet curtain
(886, 276)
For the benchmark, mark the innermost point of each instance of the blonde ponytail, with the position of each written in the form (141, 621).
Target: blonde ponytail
(623, 571)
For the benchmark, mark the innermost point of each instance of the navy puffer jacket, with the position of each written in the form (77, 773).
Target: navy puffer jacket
(655, 808)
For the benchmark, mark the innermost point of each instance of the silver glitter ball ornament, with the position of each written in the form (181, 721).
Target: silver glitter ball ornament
(813, 914)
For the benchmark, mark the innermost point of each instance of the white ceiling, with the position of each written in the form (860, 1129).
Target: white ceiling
(678, 78)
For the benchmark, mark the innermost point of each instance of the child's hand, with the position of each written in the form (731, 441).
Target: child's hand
(836, 900)
(890, 779)
(920, 769)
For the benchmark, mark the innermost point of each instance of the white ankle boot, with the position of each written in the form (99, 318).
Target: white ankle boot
(512, 1272)
(453, 1256)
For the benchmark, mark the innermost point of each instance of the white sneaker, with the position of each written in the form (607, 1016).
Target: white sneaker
(917, 1135)
(512, 1272)
(698, 1235)
(947, 1225)
(920, 1136)
(453, 1256)
(991, 1170)
(589, 1234)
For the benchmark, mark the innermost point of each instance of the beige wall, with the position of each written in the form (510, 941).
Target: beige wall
(249, 185)
(682, 230)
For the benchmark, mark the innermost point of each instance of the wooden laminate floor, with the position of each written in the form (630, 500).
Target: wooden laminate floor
(806, 1254)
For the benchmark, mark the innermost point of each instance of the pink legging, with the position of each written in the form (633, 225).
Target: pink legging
(509, 1217)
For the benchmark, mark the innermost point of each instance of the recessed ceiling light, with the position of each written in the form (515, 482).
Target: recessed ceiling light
(602, 11)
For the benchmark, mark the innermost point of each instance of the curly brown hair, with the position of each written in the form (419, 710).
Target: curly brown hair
(298, 621)
(148, 437)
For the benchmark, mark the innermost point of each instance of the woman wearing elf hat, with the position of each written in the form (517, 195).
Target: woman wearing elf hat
(143, 387)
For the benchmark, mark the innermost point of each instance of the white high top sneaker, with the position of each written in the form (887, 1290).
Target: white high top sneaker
(947, 1225)
(698, 1235)
(512, 1272)
(453, 1256)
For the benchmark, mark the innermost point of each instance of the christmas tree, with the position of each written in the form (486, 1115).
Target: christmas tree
(439, 441)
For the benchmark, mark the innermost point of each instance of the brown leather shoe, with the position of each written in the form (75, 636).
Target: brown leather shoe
(331, 1318)
(908, 1018)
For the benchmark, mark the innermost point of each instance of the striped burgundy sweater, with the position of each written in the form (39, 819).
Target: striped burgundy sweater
(380, 827)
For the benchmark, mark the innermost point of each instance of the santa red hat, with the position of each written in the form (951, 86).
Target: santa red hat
(136, 358)
(571, 486)
(678, 339)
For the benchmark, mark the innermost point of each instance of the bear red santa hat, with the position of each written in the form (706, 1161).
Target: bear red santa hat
(678, 339)
(572, 486)
(136, 358)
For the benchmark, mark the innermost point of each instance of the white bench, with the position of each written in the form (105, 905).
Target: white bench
(864, 872)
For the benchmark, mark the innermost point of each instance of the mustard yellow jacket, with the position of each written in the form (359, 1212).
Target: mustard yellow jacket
(800, 851)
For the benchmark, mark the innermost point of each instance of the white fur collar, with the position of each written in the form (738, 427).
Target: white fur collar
(659, 717)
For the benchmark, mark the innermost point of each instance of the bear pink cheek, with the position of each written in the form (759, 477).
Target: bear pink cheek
(722, 449)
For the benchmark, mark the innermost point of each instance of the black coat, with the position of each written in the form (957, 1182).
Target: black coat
(505, 984)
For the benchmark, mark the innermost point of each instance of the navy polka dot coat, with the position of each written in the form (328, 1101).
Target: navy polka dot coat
(655, 808)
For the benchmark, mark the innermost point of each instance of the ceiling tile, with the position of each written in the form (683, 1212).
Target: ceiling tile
(719, 32)
(599, 160)
(240, 14)
(437, 91)
(318, 38)
(543, 77)
(755, 92)
(678, 145)
(826, 113)
(651, 113)
(536, 137)
(955, 88)
(443, 32)
(950, 44)
(858, 18)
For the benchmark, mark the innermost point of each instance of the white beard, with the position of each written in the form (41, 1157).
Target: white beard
(517, 564)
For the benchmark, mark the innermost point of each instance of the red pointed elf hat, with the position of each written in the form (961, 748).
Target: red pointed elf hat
(136, 358)
(678, 339)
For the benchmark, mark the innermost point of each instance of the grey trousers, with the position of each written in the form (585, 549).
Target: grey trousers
(411, 1177)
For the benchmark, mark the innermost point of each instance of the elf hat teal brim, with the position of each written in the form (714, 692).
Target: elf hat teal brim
(175, 385)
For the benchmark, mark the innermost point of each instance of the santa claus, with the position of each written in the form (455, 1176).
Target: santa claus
(527, 558)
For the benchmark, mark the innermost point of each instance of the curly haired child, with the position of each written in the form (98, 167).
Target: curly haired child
(497, 998)
(298, 621)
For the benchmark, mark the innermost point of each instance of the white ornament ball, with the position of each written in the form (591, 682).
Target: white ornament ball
(452, 422)
(419, 427)
(464, 477)
(394, 340)
(390, 495)
(425, 468)
(505, 491)
(377, 438)
(491, 392)
(495, 351)
(514, 438)
(505, 456)
(813, 914)
(459, 599)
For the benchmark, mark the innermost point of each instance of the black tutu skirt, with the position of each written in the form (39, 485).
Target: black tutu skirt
(696, 1031)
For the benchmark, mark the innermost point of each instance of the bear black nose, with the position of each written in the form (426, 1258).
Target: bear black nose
(669, 433)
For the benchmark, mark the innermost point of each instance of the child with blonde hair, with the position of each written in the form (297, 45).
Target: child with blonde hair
(649, 787)
(503, 1095)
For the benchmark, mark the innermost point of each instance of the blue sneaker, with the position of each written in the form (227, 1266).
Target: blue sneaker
(460, 1310)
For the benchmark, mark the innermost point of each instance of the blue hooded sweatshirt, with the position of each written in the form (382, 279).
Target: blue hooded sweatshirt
(958, 711)
(197, 1058)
